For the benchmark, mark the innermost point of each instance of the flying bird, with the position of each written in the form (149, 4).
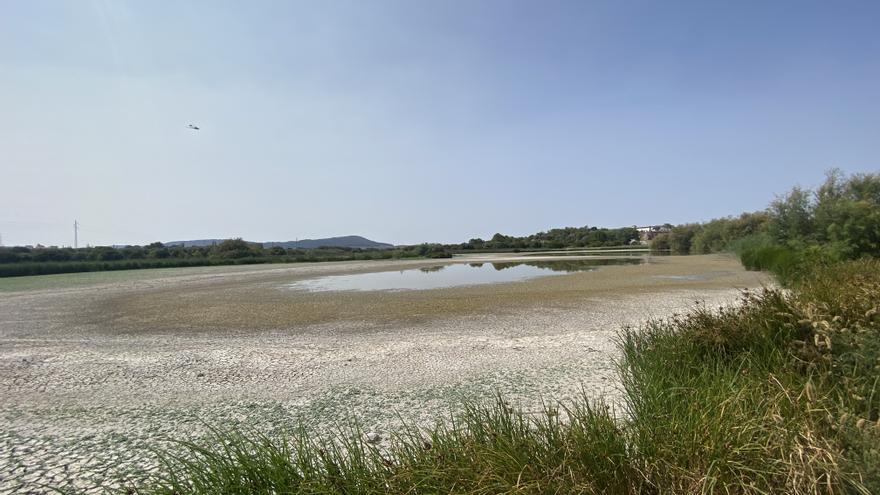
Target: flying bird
(193, 127)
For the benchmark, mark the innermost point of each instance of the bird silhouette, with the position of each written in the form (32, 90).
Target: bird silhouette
(193, 127)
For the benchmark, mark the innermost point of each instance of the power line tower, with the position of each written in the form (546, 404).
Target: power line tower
(75, 234)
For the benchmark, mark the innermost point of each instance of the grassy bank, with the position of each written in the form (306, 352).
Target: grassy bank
(56, 267)
(777, 395)
(22, 269)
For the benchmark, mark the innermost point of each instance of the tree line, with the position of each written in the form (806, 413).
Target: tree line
(839, 220)
(25, 260)
(567, 237)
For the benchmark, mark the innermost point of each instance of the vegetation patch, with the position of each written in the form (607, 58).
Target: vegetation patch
(23, 261)
(839, 220)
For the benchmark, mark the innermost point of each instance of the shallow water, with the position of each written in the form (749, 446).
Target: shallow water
(694, 276)
(454, 275)
(618, 252)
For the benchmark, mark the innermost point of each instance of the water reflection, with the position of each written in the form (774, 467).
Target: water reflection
(569, 266)
(454, 275)
(618, 252)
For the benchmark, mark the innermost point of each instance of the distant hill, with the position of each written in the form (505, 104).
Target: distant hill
(349, 241)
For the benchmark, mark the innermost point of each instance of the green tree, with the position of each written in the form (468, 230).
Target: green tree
(791, 217)
(233, 248)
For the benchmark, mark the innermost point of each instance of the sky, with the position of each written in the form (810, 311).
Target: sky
(421, 121)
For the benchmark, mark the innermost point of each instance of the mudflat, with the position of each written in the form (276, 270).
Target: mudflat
(96, 368)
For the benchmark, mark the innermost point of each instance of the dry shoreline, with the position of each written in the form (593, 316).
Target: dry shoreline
(94, 371)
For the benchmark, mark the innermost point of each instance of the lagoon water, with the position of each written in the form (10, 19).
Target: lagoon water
(453, 275)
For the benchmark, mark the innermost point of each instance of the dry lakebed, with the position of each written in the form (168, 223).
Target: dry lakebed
(98, 368)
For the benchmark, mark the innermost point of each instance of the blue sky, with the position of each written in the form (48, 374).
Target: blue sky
(420, 121)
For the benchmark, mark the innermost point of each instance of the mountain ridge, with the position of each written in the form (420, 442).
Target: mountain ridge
(347, 241)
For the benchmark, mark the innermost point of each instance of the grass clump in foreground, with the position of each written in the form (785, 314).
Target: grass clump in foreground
(777, 395)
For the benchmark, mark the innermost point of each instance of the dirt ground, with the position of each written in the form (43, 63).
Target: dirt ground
(95, 369)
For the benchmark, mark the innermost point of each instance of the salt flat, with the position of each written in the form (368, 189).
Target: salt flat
(95, 368)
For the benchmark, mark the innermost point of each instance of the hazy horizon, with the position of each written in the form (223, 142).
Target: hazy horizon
(408, 122)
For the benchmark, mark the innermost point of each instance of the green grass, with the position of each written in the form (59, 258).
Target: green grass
(34, 268)
(85, 279)
(777, 395)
